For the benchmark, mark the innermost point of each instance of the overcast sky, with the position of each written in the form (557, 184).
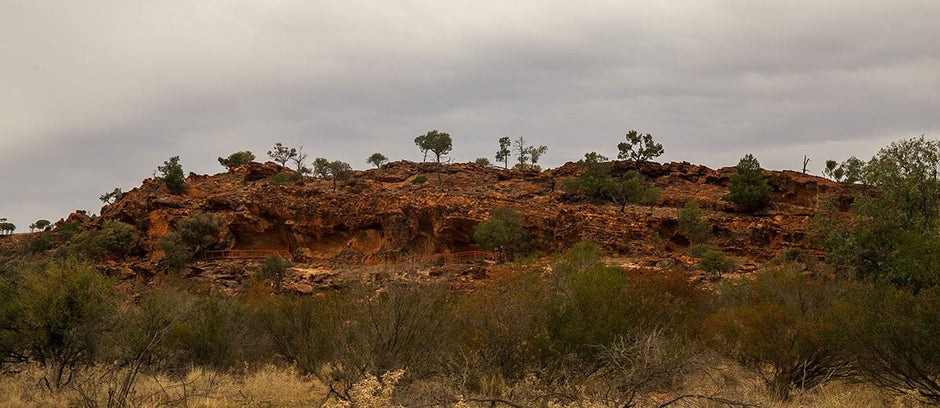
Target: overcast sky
(96, 94)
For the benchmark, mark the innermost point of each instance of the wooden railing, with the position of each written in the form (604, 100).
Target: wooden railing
(247, 254)
(461, 257)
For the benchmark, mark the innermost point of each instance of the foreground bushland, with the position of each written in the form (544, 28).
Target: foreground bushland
(573, 333)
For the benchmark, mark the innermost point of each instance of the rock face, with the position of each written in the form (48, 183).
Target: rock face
(385, 215)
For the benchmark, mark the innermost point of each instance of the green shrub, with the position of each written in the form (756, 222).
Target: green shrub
(716, 262)
(116, 238)
(691, 223)
(748, 189)
(891, 338)
(193, 235)
(699, 250)
(283, 178)
(67, 231)
(419, 179)
(275, 268)
(63, 313)
(176, 255)
(792, 255)
(502, 231)
(39, 245)
(783, 327)
(172, 175)
(218, 333)
(305, 332)
(237, 159)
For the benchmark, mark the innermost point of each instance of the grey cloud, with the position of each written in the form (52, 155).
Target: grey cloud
(104, 91)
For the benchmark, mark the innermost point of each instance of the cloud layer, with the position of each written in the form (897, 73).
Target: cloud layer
(96, 94)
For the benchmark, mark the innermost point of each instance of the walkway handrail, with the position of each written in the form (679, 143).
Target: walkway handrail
(465, 256)
(246, 254)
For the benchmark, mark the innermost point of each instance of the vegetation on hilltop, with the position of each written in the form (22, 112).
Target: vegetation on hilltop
(562, 330)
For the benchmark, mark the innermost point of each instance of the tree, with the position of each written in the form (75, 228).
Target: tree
(783, 327)
(63, 314)
(716, 262)
(691, 223)
(438, 143)
(200, 230)
(116, 238)
(595, 180)
(110, 198)
(299, 159)
(377, 160)
(421, 142)
(629, 188)
(340, 171)
(833, 170)
(853, 170)
(639, 148)
(748, 189)
(522, 150)
(892, 236)
(850, 171)
(237, 159)
(40, 225)
(483, 161)
(321, 167)
(502, 155)
(503, 231)
(7, 228)
(172, 175)
(282, 154)
(891, 337)
(535, 153)
(275, 268)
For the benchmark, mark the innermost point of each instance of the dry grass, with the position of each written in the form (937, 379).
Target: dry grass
(268, 387)
(281, 387)
(733, 383)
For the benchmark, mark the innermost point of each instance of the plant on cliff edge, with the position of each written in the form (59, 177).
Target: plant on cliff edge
(639, 147)
(748, 189)
(237, 159)
(172, 175)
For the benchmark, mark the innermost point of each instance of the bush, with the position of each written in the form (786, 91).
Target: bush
(63, 313)
(503, 231)
(237, 159)
(116, 238)
(305, 332)
(691, 223)
(891, 337)
(377, 159)
(419, 179)
(176, 255)
(748, 189)
(274, 268)
(639, 147)
(781, 326)
(39, 245)
(200, 230)
(217, 333)
(172, 175)
(716, 262)
(283, 178)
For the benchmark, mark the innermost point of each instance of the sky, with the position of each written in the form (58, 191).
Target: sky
(96, 94)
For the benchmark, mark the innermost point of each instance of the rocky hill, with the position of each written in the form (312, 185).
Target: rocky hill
(385, 216)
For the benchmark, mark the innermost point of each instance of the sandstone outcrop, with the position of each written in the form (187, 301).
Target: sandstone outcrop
(386, 216)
